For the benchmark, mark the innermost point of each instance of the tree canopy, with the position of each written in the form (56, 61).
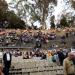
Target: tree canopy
(8, 19)
(27, 13)
(73, 3)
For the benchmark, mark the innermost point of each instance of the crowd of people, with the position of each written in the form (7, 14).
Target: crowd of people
(58, 56)
(24, 37)
(55, 54)
(13, 38)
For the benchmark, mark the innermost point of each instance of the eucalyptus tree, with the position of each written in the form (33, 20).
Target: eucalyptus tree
(26, 10)
(3, 5)
(42, 10)
(3, 10)
(73, 3)
(43, 6)
(32, 10)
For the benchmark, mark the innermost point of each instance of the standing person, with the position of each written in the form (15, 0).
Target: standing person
(7, 62)
(38, 44)
(67, 35)
(60, 56)
(68, 66)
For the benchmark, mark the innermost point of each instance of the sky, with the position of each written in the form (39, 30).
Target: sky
(8, 1)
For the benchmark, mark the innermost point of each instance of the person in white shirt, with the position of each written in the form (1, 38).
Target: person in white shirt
(7, 62)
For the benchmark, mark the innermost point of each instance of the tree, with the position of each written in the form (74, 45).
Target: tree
(3, 5)
(43, 6)
(73, 3)
(37, 10)
(3, 10)
(64, 22)
(52, 22)
(8, 19)
(34, 10)
(14, 21)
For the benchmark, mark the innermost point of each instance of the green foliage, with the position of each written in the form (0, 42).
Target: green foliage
(52, 22)
(52, 25)
(3, 9)
(3, 5)
(73, 4)
(2, 15)
(64, 22)
(14, 21)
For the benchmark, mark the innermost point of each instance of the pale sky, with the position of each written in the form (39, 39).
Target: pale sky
(8, 1)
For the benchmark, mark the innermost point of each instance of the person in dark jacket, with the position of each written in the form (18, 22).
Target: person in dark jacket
(60, 56)
(7, 57)
(38, 43)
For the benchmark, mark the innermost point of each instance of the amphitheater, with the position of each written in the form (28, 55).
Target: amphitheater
(34, 67)
(22, 66)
